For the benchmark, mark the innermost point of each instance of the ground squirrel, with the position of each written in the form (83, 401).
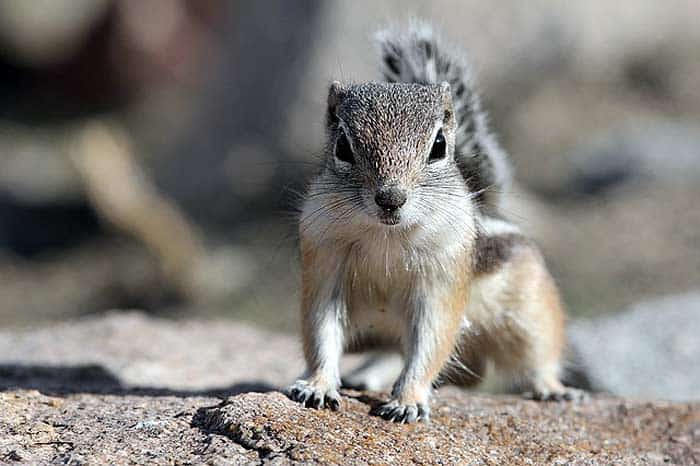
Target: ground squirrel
(403, 244)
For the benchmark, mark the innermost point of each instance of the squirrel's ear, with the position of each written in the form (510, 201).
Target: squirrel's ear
(336, 92)
(447, 104)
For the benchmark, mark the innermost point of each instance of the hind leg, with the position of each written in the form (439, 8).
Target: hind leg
(467, 365)
(546, 386)
(524, 325)
(545, 343)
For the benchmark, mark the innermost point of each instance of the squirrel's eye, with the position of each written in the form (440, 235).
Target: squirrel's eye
(439, 149)
(343, 151)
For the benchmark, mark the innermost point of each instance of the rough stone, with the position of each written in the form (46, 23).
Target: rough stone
(257, 428)
(108, 429)
(126, 388)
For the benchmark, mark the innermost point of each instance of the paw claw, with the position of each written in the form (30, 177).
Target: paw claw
(333, 404)
(311, 396)
(411, 414)
(568, 394)
(403, 414)
(314, 401)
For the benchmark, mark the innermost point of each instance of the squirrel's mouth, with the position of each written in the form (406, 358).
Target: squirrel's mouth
(391, 219)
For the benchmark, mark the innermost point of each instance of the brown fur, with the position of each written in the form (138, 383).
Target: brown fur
(447, 335)
(517, 321)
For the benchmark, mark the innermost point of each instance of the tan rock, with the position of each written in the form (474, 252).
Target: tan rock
(257, 428)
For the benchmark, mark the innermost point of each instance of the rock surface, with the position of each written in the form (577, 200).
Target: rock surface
(257, 428)
(108, 429)
(126, 388)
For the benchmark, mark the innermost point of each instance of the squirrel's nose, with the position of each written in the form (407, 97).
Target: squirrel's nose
(390, 198)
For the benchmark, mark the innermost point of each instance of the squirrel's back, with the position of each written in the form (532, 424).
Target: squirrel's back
(418, 55)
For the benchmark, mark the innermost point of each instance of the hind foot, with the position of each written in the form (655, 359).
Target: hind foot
(554, 390)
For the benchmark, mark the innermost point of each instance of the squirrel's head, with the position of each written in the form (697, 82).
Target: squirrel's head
(390, 152)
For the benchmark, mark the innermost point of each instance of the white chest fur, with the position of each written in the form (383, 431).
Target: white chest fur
(384, 271)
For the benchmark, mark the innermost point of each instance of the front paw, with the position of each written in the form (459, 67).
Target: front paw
(403, 413)
(313, 395)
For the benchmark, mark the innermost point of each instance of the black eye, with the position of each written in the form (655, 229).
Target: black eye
(439, 149)
(343, 150)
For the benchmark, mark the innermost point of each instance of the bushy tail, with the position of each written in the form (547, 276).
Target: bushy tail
(418, 55)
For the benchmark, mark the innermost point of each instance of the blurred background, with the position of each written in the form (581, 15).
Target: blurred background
(151, 153)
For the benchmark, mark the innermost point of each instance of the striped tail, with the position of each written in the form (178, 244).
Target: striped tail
(418, 55)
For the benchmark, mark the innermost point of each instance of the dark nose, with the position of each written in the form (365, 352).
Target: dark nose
(390, 198)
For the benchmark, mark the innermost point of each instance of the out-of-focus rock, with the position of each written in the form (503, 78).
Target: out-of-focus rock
(645, 153)
(53, 186)
(47, 32)
(610, 251)
(85, 280)
(124, 195)
(649, 351)
(123, 350)
(35, 165)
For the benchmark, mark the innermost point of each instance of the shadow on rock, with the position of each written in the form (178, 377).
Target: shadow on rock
(93, 378)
